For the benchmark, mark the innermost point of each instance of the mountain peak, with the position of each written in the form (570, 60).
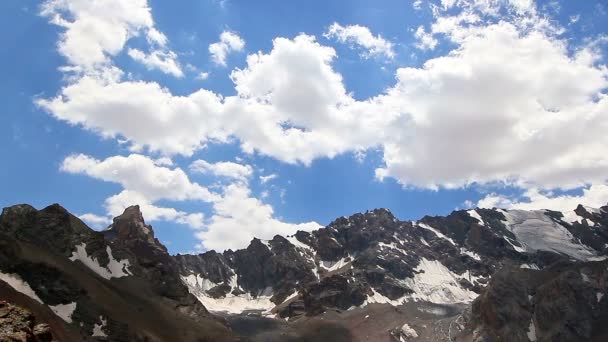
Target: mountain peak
(130, 225)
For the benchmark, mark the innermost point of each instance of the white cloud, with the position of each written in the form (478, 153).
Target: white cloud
(144, 182)
(268, 178)
(425, 39)
(229, 42)
(515, 95)
(232, 170)
(96, 221)
(509, 104)
(140, 174)
(236, 216)
(163, 161)
(502, 107)
(363, 37)
(417, 4)
(202, 76)
(116, 204)
(143, 112)
(239, 218)
(165, 61)
(95, 31)
(594, 196)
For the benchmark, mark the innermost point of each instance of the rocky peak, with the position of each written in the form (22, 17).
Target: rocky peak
(130, 225)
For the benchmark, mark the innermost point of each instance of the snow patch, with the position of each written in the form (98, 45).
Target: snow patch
(198, 282)
(391, 245)
(516, 248)
(291, 296)
(98, 328)
(333, 265)
(267, 244)
(64, 311)
(530, 266)
(474, 214)
(599, 296)
(114, 269)
(531, 331)
(470, 253)
(437, 232)
(198, 286)
(20, 285)
(537, 231)
(571, 217)
(437, 284)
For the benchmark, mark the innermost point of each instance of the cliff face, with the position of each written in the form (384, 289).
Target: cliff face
(563, 302)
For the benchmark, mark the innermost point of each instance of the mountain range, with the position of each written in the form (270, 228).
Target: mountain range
(473, 275)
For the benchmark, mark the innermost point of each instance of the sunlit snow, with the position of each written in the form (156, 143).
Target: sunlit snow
(114, 269)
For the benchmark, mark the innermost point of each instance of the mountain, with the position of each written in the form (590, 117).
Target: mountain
(119, 284)
(474, 275)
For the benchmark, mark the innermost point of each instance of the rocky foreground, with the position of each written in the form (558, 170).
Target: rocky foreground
(476, 275)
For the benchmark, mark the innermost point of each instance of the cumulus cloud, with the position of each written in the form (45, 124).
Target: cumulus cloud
(144, 182)
(95, 221)
(95, 31)
(361, 36)
(425, 39)
(516, 95)
(165, 61)
(239, 218)
(202, 76)
(144, 113)
(223, 169)
(517, 98)
(236, 216)
(229, 42)
(511, 103)
(116, 204)
(140, 174)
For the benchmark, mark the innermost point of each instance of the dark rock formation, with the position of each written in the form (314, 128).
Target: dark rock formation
(122, 278)
(380, 254)
(563, 302)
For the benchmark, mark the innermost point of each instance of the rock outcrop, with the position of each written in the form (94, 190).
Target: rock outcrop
(563, 302)
(19, 325)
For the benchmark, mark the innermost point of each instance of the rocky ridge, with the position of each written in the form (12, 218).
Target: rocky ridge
(473, 275)
(373, 257)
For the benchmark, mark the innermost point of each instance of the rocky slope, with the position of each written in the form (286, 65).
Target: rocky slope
(563, 302)
(375, 258)
(476, 275)
(118, 285)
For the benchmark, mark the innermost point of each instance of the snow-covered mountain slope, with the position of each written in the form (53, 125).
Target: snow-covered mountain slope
(375, 258)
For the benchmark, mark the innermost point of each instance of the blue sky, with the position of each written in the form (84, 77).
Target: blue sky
(421, 107)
